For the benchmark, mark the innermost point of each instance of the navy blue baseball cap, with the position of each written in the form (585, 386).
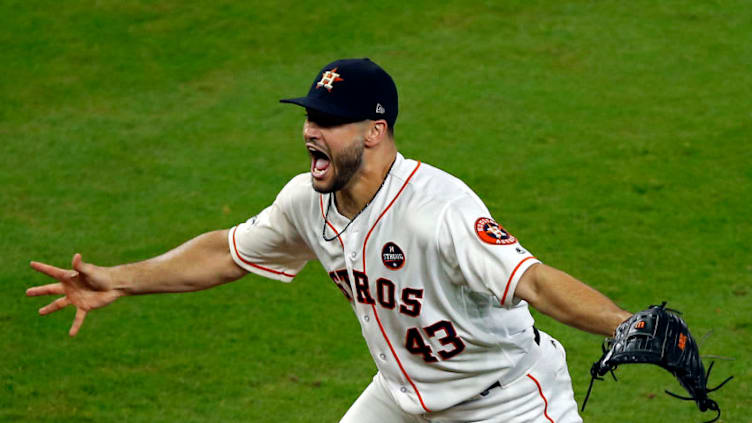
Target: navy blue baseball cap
(353, 90)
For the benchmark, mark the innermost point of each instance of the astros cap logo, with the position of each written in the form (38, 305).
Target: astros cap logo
(328, 78)
(491, 232)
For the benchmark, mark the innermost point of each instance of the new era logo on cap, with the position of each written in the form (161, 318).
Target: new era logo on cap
(352, 90)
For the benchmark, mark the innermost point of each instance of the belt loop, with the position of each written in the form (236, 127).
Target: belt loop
(537, 335)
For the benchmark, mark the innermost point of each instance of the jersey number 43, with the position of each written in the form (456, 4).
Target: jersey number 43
(415, 343)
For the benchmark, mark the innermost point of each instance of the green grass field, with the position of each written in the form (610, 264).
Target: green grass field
(612, 138)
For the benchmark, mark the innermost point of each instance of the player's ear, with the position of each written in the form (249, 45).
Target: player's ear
(376, 132)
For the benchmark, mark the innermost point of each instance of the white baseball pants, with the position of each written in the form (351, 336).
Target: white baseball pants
(543, 395)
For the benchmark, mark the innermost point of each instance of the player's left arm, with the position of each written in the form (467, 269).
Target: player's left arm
(566, 299)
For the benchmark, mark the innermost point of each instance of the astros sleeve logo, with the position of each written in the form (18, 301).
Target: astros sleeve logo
(491, 232)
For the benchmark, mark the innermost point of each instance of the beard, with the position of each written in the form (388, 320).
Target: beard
(344, 166)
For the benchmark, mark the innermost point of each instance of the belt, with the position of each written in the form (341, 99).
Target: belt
(497, 384)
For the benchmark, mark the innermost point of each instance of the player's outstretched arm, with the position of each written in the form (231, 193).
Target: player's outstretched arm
(200, 263)
(559, 295)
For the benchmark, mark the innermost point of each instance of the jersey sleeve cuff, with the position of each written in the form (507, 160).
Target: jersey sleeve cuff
(265, 271)
(508, 299)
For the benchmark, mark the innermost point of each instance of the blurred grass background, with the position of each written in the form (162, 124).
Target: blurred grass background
(612, 138)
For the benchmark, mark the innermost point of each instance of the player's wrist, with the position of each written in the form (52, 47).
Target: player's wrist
(119, 280)
(620, 319)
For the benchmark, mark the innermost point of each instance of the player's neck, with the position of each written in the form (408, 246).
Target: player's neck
(354, 197)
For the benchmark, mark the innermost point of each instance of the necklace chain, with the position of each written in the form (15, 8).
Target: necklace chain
(329, 206)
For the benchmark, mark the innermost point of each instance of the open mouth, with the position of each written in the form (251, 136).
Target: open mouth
(319, 162)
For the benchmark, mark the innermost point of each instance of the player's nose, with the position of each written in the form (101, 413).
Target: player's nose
(311, 131)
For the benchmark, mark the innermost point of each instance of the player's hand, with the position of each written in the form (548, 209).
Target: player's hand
(86, 287)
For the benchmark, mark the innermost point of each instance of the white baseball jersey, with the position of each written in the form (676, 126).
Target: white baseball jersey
(429, 274)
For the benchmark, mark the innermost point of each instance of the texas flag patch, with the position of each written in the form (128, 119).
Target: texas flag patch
(491, 232)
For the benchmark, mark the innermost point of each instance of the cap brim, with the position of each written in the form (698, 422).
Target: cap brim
(320, 106)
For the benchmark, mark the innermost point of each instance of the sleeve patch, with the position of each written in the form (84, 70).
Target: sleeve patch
(492, 233)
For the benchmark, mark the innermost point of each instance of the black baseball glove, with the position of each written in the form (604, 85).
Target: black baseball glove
(658, 336)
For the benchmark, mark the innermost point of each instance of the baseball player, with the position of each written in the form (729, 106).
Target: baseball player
(441, 290)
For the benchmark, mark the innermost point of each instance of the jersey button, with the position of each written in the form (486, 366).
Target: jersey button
(353, 255)
(403, 389)
(382, 356)
(367, 318)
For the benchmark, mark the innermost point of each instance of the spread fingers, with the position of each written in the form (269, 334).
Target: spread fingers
(51, 289)
(55, 306)
(77, 322)
(52, 271)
